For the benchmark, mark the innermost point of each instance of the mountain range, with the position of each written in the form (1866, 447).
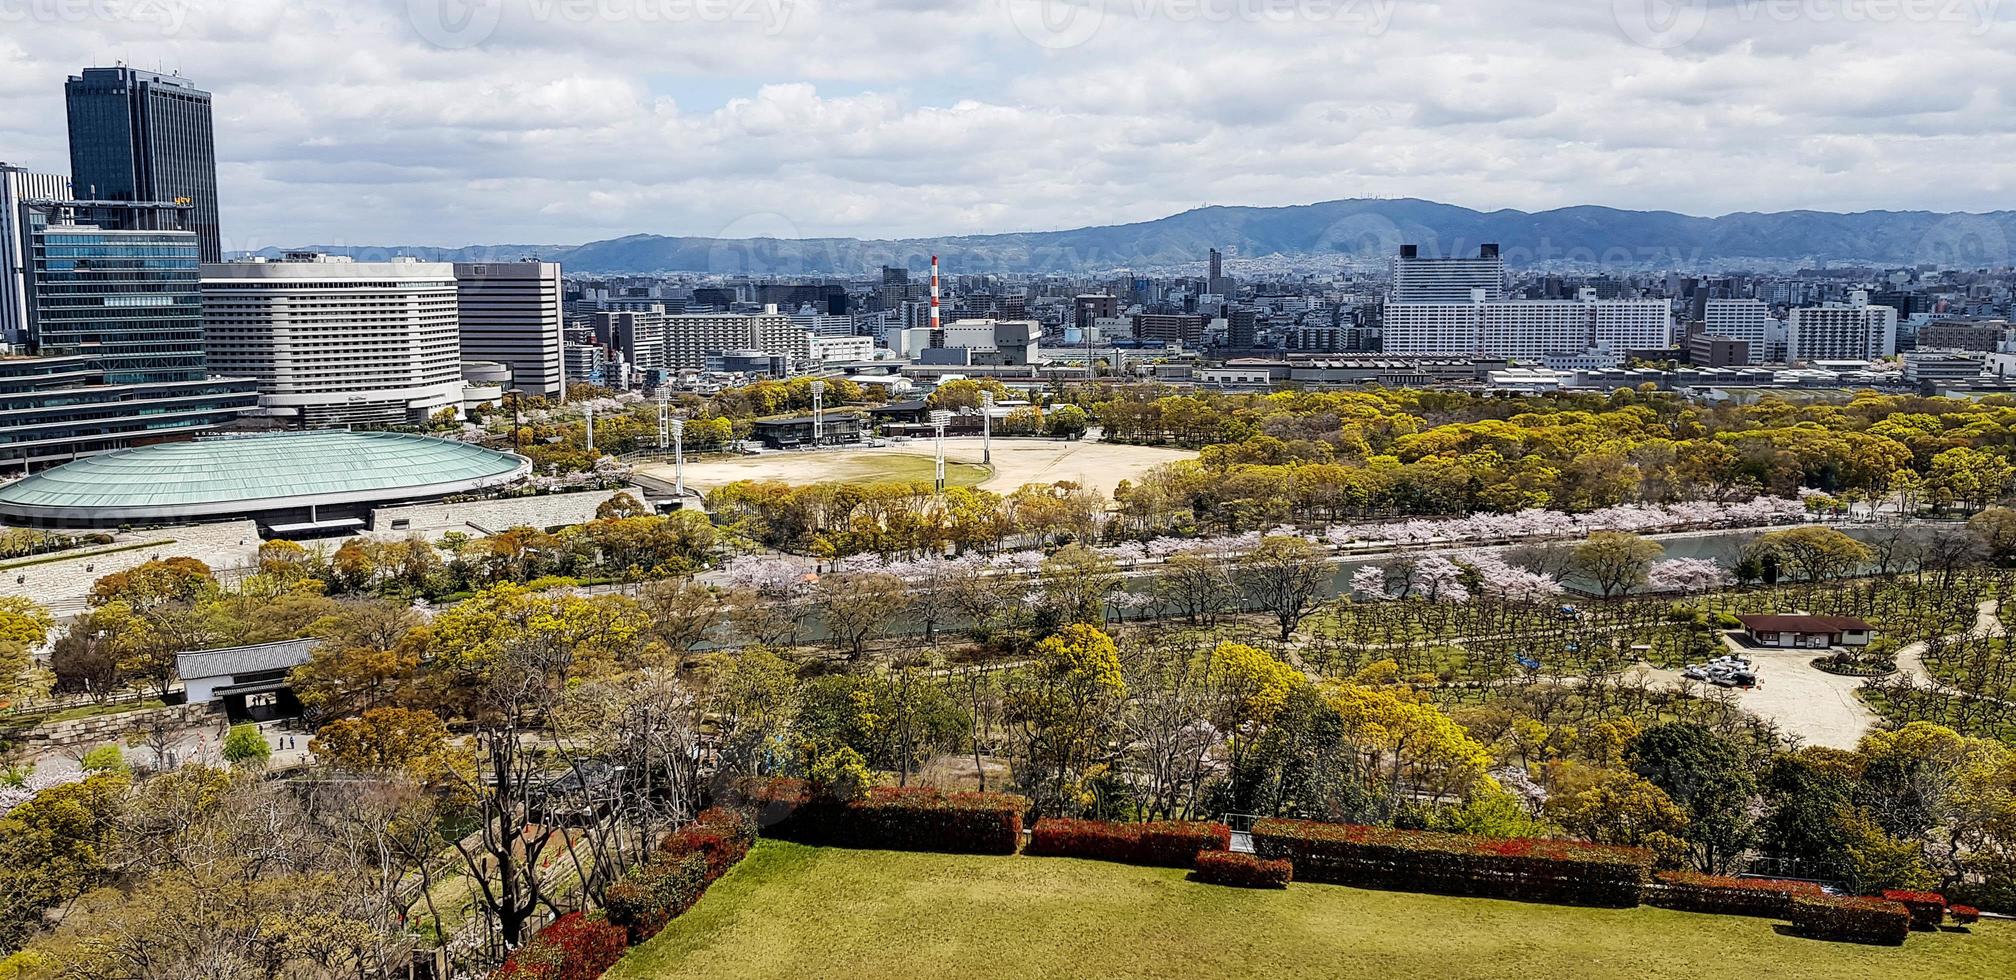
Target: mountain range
(1359, 229)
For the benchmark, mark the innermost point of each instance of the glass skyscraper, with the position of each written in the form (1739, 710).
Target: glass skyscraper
(125, 297)
(115, 318)
(142, 136)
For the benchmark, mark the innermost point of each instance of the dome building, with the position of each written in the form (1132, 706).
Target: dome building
(291, 483)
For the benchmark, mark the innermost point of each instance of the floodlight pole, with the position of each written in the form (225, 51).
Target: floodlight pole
(590, 409)
(664, 427)
(987, 428)
(939, 429)
(678, 459)
(818, 413)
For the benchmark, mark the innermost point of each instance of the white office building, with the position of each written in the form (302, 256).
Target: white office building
(842, 350)
(1748, 320)
(510, 314)
(1854, 330)
(335, 342)
(18, 186)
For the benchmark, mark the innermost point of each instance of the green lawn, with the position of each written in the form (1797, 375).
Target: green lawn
(799, 912)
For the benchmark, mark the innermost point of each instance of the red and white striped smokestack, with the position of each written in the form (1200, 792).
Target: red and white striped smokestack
(936, 327)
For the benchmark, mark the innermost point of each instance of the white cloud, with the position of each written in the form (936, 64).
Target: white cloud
(527, 121)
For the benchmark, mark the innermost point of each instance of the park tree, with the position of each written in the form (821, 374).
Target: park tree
(56, 846)
(1062, 708)
(1197, 585)
(368, 657)
(1812, 554)
(1068, 422)
(1972, 478)
(751, 697)
(1995, 527)
(1610, 806)
(1285, 575)
(682, 612)
(1076, 583)
(385, 740)
(1615, 561)
(854, 606)
(246, 746)
(24, 625)
(1710, 777)
(153, 582)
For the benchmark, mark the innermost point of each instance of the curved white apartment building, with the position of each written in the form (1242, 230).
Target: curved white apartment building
(335, 342)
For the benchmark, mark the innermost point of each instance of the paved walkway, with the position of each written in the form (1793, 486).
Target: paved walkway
(1911, 658)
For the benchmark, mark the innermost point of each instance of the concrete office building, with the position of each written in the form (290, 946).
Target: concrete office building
(509, 313)
(335, 342)
(1184, 328)
(1855, 330)
(143, 136)
(17, 188)
(1419, 279)
(1746, 320)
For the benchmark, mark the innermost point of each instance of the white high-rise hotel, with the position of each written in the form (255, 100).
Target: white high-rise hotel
(1458, 306)
(336, 342)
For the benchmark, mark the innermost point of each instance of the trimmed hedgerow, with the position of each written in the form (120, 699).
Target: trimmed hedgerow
(1691, 891)
(670, 881)
(1457, 864)
(573, 947)
(1862, 920)
(1168, 843)
(917, 818)
(1964, 915)
(1928, 909)
(1242, 870)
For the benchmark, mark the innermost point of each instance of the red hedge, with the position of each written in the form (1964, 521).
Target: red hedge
(918, 818)
(573, 947)
(1927, 909)
(669, 882)
(1242, 870)
(1458, 864)
(1862, 920)
(1691, 891)
(1168, 844)
(1965, 915)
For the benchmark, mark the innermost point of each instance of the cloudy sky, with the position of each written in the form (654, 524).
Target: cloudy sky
(451, 122)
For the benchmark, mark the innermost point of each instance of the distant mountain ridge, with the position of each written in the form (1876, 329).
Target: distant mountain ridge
(1364, 229)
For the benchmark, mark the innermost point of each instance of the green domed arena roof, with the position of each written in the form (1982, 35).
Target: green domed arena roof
(250, 473)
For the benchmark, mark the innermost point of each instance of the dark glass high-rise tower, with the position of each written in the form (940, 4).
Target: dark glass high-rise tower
(142, 136)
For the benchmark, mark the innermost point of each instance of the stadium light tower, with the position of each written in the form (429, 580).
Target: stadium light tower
(678, 459)
(818, 413)
(987, 428)
(939, 419)
(664, 418)
(590, 409)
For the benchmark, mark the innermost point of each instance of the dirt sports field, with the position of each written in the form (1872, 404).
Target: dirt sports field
(1016, 462)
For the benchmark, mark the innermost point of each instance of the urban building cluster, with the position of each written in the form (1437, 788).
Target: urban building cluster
(127, 322)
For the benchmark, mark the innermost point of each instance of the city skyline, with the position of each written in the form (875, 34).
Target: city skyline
(505, 121)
